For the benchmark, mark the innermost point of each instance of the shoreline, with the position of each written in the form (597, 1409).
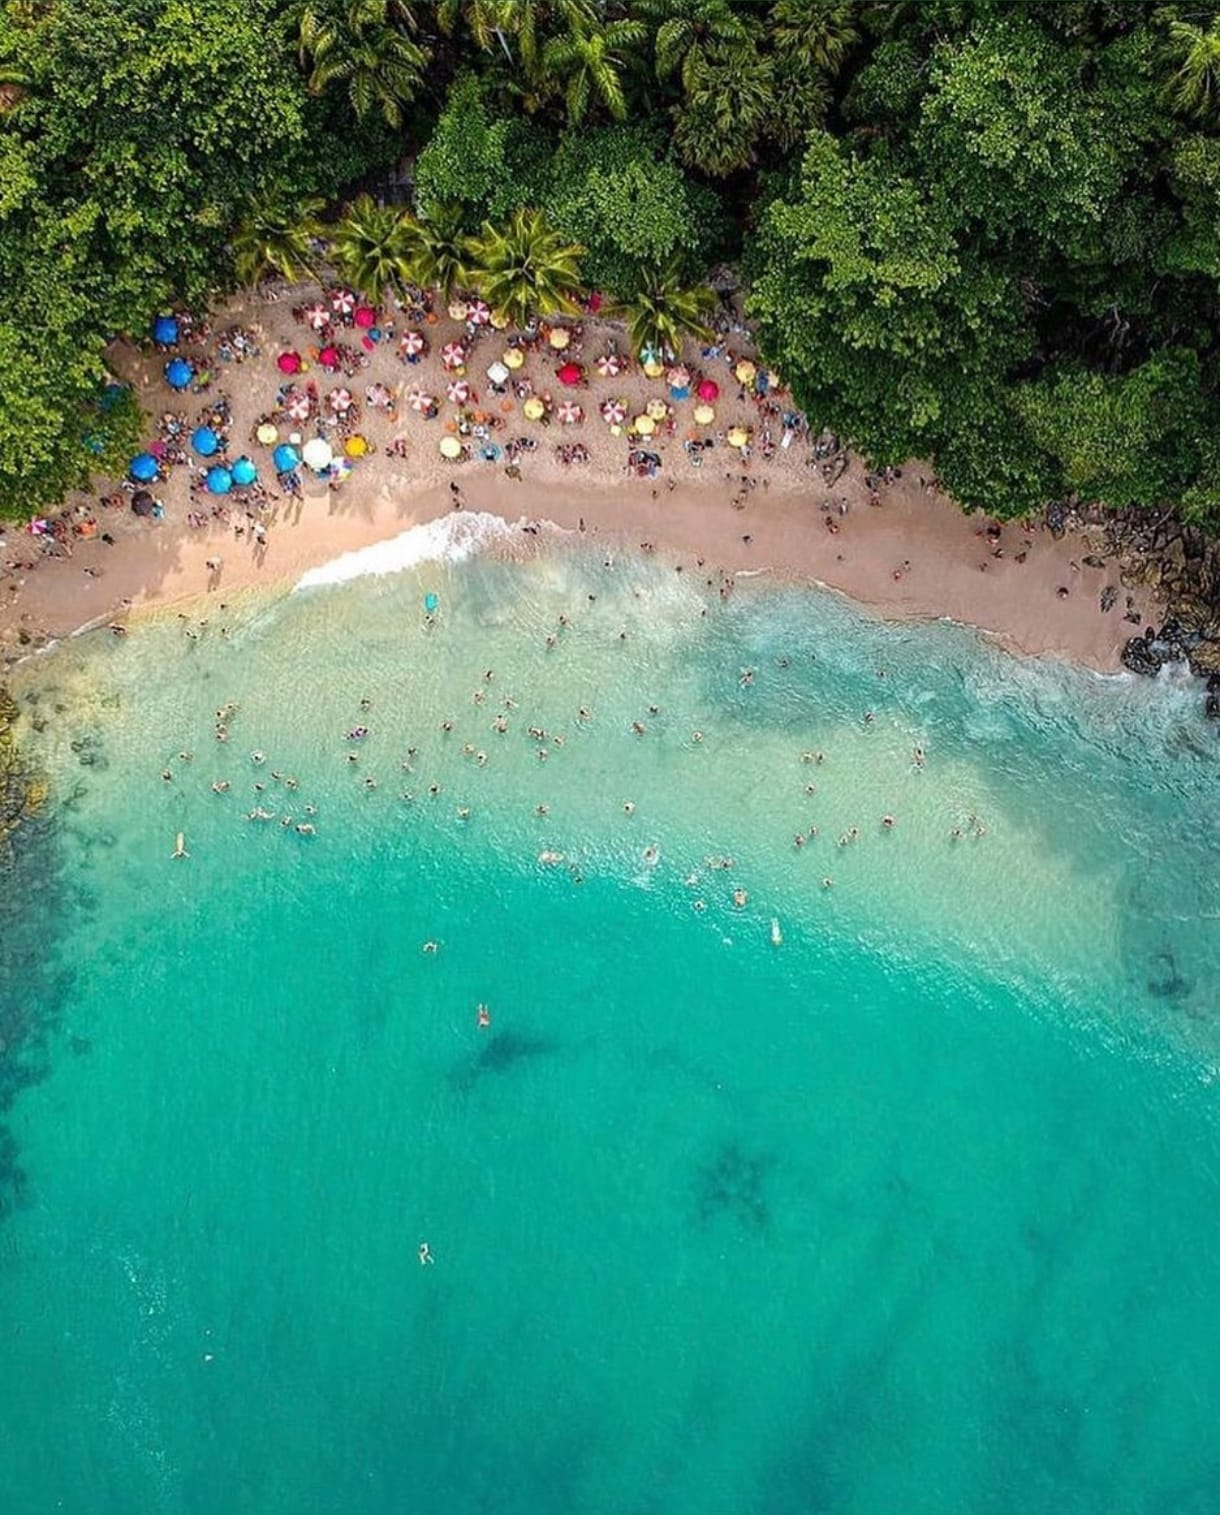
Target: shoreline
(902, 549)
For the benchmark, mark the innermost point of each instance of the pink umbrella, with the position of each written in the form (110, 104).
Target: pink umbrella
(340, 400)
(412, 344)
(379, 396)
(329, 358)
(570, 413)
(678, 376)
(296, 405)
(342, 302)
(453, 355)
(458, 391)
(419, 400)
(570, 374)
(614, 411)
(317, 315)
(366, 317)
(708, 390)
(478, 312)
(289, 362)
(609, 365)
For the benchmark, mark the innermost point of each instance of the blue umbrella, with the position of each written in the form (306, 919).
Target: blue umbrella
(165, 330)
(205, 442)
(244, 472)
(285, 457)
(219, 480)
(143, 468)
(178, 373)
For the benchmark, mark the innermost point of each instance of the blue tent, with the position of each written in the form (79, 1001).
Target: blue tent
(165, 330)
(219, 480)
(205, 442)
(285, 457)
(244, 472)
(143, 468)
(178, 373)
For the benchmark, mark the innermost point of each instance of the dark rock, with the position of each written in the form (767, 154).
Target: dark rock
(1139, 657)
(1093, 561)
(1056, 518)
(1108, 598)
(1205, 660)
(1211, 707)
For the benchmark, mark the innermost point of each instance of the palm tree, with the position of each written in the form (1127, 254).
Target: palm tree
(1196, 84)
(491, 23)
(593, 63)
(437, 258)
(367, 47)
(273, 238)
(525, 267)
(726, 110)
(814, 34)
(684, 28)
(665, 309)
(371, 247)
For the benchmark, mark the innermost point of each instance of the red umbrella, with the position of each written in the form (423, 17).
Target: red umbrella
(329, 357)
(412, 344)
(289, 362)
(708, 390)
(297, 406)
(366, 316)
(570, 374)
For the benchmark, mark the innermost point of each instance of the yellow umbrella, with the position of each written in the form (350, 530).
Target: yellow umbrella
(738, 436)
(658, 409)
(458, 310)
(450, 448)
(560, 337)
(534, 409)
(704, 414)
(645, 425)
(356, 447)
(745, 371)
(267, 433)
(499, 320)
(514, 358)
(653, 369)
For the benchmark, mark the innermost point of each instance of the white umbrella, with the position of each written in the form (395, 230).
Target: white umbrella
(317, 315)
(453, 355)
(340, 400)
(318, 453)
(614, 411)
(418, 399)
(412, 343)
(458, 391)
(609, 365)
(569, 412)
(297, 406)
(478, 312)
(343, 302)
(497, 372)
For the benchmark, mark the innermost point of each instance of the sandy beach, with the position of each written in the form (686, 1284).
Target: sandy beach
(899, 547)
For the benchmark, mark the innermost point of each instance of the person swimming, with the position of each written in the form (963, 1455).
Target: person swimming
(650, 855)
(425, 1254)
(628, 807)
(430, 947)
(482, 1017)
(258, 757)
(220, 786)
(180, 847)
(740, 899)
(357, 733)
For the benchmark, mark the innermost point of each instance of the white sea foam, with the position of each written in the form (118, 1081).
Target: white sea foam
(450, 538)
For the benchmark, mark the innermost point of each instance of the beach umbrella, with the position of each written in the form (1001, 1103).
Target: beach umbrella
(490, 452)
(458, 310)
(614, 411)
(478, 312)
(657, 410)
(570, 413)
(745, 371)
(419, 400)
(143, 503)
(316, 315)
(178, 373)
(453, 355)
(499, 321)
(285, 457)
(708, 390)
(738, 436)
(340, 400)
(451, 448)
(267, 434)
(165, 330)
(356, 447)
(318, 453)
(219, 480)
(678, 376)
(244, 472)
(378, 396)
(653, 369)
(645, 425)
(297, 405)
(289, 362)
(458, 391)
(533, 409)
(514, 357)
(497, 372)
(570, 374)
(559, 338)
(704, 414)
(609, 365)
(412, 344)
(205, 442)
(329, 358)
(143, 468)
(342, 302)
(366, 317)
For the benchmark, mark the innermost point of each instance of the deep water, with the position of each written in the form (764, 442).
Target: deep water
(913, 1211)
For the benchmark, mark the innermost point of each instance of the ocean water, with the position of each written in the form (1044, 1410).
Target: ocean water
(897, 1194)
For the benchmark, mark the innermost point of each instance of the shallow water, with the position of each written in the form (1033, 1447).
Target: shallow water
(911, 1212)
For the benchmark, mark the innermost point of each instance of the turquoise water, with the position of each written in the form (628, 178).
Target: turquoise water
(913, 1211)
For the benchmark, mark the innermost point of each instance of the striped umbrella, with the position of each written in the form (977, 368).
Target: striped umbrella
(419, 400)
(614, 411)
(478, 312)
(458, 391)
(609, 365)
(316, 315)
(453, 355)
(378, 396)
(297, 406)
(569, 413)
(413, 344)
(342, 302)
(340, 400)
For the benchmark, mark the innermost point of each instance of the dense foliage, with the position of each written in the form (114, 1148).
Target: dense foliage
(986, 232)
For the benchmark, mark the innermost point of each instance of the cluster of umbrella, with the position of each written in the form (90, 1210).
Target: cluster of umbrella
(477, 312)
